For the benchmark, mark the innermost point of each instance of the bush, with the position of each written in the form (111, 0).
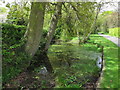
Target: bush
(18, 14)
(12, 34)
(114, 32)
(14, 59)
(13, 64)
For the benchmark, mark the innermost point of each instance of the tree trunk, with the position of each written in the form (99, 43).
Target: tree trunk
(35, 27)
(94, 23)
(78, 35)
(53, 25)
(47, 63)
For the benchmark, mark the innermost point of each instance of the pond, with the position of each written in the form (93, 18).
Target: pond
(74, 65)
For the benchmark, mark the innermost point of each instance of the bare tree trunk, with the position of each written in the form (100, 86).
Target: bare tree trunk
(53, 25)
(35, 27)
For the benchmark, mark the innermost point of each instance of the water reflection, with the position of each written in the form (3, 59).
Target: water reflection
(99, 62)
(74, 64)
(66, 54)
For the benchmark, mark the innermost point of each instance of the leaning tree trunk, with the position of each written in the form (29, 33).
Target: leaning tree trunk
(53, 25)
(35, 27)
(94, 23)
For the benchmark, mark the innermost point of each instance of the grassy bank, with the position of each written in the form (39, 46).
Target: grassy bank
(110, 74)
(115, 32)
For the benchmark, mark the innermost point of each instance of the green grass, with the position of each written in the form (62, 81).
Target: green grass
(110, 74)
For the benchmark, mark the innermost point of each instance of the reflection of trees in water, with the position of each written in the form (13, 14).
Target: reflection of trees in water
(64, 58)
(41, 59)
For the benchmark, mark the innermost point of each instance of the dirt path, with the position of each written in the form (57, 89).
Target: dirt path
(113, 39)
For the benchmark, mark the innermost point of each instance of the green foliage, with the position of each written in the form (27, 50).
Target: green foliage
(106, 13)
(77, 18)
(3, 10)
(18, 14)
(58, 32)
(65, 36)
(114, 32)
(107, 20)
(14, 59)
(13, 63)
(12, 34)
(102, 23)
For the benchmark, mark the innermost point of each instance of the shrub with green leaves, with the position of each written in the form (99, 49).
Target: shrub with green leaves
(12, 34)
(14, 59)
(114, 32)
(18, 13)
(13, 64)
